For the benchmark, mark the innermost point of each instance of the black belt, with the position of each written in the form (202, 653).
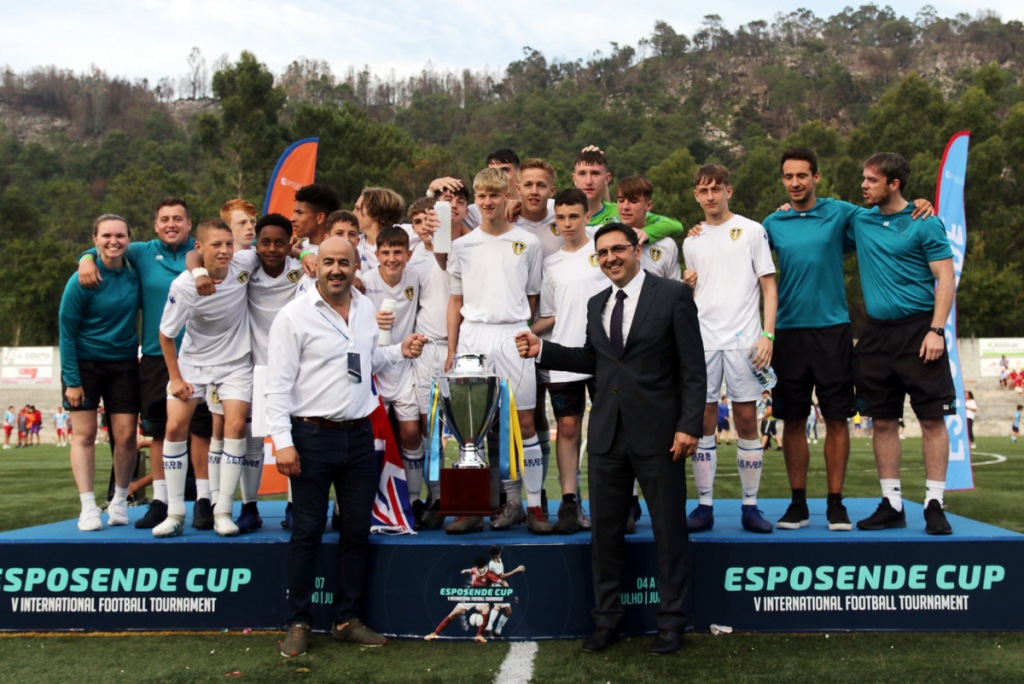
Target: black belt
(328, 424)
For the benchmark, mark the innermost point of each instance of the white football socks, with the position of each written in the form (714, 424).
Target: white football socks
(749, 456)
(705, 463)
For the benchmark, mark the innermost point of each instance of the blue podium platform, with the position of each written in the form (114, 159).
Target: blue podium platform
(55, 578)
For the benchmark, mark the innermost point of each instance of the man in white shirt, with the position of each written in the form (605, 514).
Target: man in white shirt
(572, 275)
(319, 398)
(734, 269)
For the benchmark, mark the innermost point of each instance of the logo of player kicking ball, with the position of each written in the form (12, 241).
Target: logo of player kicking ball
(484, 604)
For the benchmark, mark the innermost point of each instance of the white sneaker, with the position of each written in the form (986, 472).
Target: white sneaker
(223, 525)
(89, 520)
(117, 513)
(172, 526)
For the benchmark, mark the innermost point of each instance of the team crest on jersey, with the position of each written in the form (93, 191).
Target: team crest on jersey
(410, 292)
(592, 259)
(294, 275)
(735, 233)
(518, 247)
(243, 277)
(656, 253)
(555, 231)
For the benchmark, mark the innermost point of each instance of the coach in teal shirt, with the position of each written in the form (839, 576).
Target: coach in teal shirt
(906, 272)
(810, 245)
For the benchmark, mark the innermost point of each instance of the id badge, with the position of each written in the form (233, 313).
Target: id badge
(355, 369)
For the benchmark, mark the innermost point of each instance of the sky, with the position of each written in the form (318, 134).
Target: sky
(151, 39)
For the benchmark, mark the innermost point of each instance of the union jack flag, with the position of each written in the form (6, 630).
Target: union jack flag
(392, 513)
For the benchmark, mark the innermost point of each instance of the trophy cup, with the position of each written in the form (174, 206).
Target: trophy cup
(469, 398)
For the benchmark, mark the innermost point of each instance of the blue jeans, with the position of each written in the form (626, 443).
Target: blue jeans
(346, 459)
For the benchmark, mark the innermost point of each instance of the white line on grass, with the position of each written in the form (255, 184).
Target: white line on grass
(999, 458)
(517, 668)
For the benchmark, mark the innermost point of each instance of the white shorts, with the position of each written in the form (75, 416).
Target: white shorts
(427, 368)
(397, 389)
(734, 366)
(501, 357)
(215, 383)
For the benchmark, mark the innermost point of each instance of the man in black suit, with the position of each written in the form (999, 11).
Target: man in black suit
(644, 348)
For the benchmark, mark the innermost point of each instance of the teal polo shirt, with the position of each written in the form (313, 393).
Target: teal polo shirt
(810, 246)
(893, 254)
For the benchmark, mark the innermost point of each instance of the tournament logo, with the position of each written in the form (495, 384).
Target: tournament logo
(592, 259)
(656, 253)
(555, 231)
(294, 275)
(735, 233)
(410, 292)
(518, 247)
(243, 277)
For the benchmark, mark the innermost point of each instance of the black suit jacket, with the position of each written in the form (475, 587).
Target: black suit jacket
(659, 384)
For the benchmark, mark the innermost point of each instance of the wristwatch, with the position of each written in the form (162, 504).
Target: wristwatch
(941, 332)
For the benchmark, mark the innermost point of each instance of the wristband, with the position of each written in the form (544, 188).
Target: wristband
(431, 194)
(303, 253)
(768, 335)
(199, 272)
(90, 257)
(941, 332)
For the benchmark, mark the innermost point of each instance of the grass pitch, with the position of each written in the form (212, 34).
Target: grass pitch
(36, 488)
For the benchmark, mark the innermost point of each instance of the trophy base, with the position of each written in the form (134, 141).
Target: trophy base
(466, 491)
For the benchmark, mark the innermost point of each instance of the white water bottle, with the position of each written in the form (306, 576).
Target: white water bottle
(384, 336)
(443, 236)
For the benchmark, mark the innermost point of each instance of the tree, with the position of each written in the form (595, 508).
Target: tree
(31, 284)
(248, 131)
(195, 79)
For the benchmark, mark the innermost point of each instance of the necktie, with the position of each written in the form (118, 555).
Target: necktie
(615, 329)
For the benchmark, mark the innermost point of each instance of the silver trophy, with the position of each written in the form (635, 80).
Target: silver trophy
(469, 398)
(469, 404)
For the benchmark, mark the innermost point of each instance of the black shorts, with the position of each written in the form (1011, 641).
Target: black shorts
(153, 381)
(202, 422)
(115, 382)
(569, 398)
(818, 360)
(768, 428)
(887, 367)
(723, 425)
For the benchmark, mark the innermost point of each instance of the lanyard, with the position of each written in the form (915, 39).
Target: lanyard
(351, 326)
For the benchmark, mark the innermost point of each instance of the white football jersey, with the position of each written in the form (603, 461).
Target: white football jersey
(729, 259)
(216, 327)
(661, 258)
(267, 296)
(495, 274)
(570, 280)
(432, 316)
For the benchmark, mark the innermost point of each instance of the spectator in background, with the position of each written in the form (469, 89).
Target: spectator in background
(10, 418)
(1016, 423)
(971, 407)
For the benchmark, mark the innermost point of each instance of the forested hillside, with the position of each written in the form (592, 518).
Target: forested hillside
(867, 79)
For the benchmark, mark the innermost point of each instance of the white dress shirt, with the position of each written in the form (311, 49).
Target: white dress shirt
(632, 290)
(308, 371)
